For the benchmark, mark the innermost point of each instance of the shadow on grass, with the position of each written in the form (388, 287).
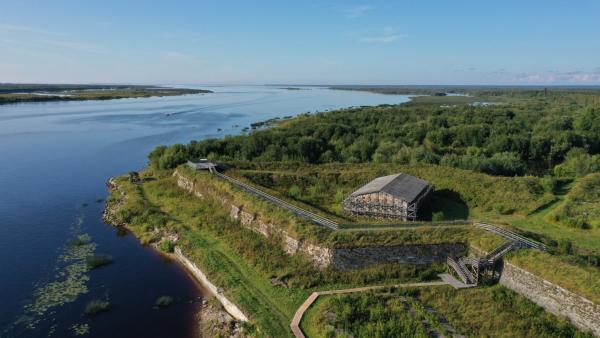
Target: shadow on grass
(446, 204)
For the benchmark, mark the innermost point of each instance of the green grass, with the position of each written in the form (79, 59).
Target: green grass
(386, 235)
(495, 312)
(562, 270)
(478, 312)
(241, 261)
(581, 207)
(368, 314)
(167, 246)
(577, 199)
(459, 191)
(311, 323)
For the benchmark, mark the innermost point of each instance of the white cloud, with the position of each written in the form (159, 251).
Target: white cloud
(357, 11)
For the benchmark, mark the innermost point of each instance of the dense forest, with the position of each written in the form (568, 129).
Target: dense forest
(527, 132)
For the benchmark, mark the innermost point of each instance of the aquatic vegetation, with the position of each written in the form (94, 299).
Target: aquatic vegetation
(96, 261)
(80, 329)
(163, 301)
(81, 240)
(96, 306)
(69, 281)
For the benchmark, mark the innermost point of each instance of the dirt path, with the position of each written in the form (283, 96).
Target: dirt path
(295, 325)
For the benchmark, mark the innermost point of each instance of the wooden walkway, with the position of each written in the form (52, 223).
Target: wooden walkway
(455, 283)
(295, 325)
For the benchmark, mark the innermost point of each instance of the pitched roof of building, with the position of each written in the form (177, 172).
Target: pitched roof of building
(401, 185)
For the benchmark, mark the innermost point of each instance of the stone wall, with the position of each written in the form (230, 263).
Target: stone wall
(358, 257)
(343, 258)
(229, 306)
(582, 312)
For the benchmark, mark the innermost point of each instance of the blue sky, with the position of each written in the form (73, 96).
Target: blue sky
(309, 42)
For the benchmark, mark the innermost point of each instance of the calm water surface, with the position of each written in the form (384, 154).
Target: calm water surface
(54, 161)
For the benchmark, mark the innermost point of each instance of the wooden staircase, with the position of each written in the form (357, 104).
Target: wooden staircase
(469, 269)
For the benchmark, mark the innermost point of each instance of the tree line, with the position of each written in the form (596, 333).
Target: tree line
(520, 137)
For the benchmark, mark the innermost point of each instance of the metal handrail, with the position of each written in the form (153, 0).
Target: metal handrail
(297, 210)
(512, 236)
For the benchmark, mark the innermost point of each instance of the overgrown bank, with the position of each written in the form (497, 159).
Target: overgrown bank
(253, 271)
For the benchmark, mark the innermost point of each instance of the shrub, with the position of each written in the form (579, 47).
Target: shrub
(437, 216)
(295, 191)
(565, 247)
(549, 183)
(167, 246)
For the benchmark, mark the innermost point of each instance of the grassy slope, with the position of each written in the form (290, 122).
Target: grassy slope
(583, 280)
(320, 184)
(300, 228)
(239, 260)
(247, 282)
(562, 270)
(495, 312)
(312, 321)
(580, 198)
(272, 308)
(480, 312)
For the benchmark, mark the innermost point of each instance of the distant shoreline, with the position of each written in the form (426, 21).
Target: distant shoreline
(15, 93)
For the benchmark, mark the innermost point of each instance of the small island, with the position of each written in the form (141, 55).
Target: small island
(18, 93)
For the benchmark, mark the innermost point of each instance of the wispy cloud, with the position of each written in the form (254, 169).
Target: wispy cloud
(389, 35)
(25, 29)
(357, 11)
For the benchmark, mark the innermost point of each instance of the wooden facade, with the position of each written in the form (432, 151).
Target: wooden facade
(394, 197)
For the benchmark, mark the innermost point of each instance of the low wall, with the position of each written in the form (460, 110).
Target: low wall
(342, 258)
(582, 312)
(230, 307)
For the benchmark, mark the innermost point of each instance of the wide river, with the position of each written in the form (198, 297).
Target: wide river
(54, 161)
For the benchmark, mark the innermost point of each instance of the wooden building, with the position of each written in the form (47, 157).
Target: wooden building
(202, 164)
(397, 196)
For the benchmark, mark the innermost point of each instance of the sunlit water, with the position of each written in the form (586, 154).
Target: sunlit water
(54, 161)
